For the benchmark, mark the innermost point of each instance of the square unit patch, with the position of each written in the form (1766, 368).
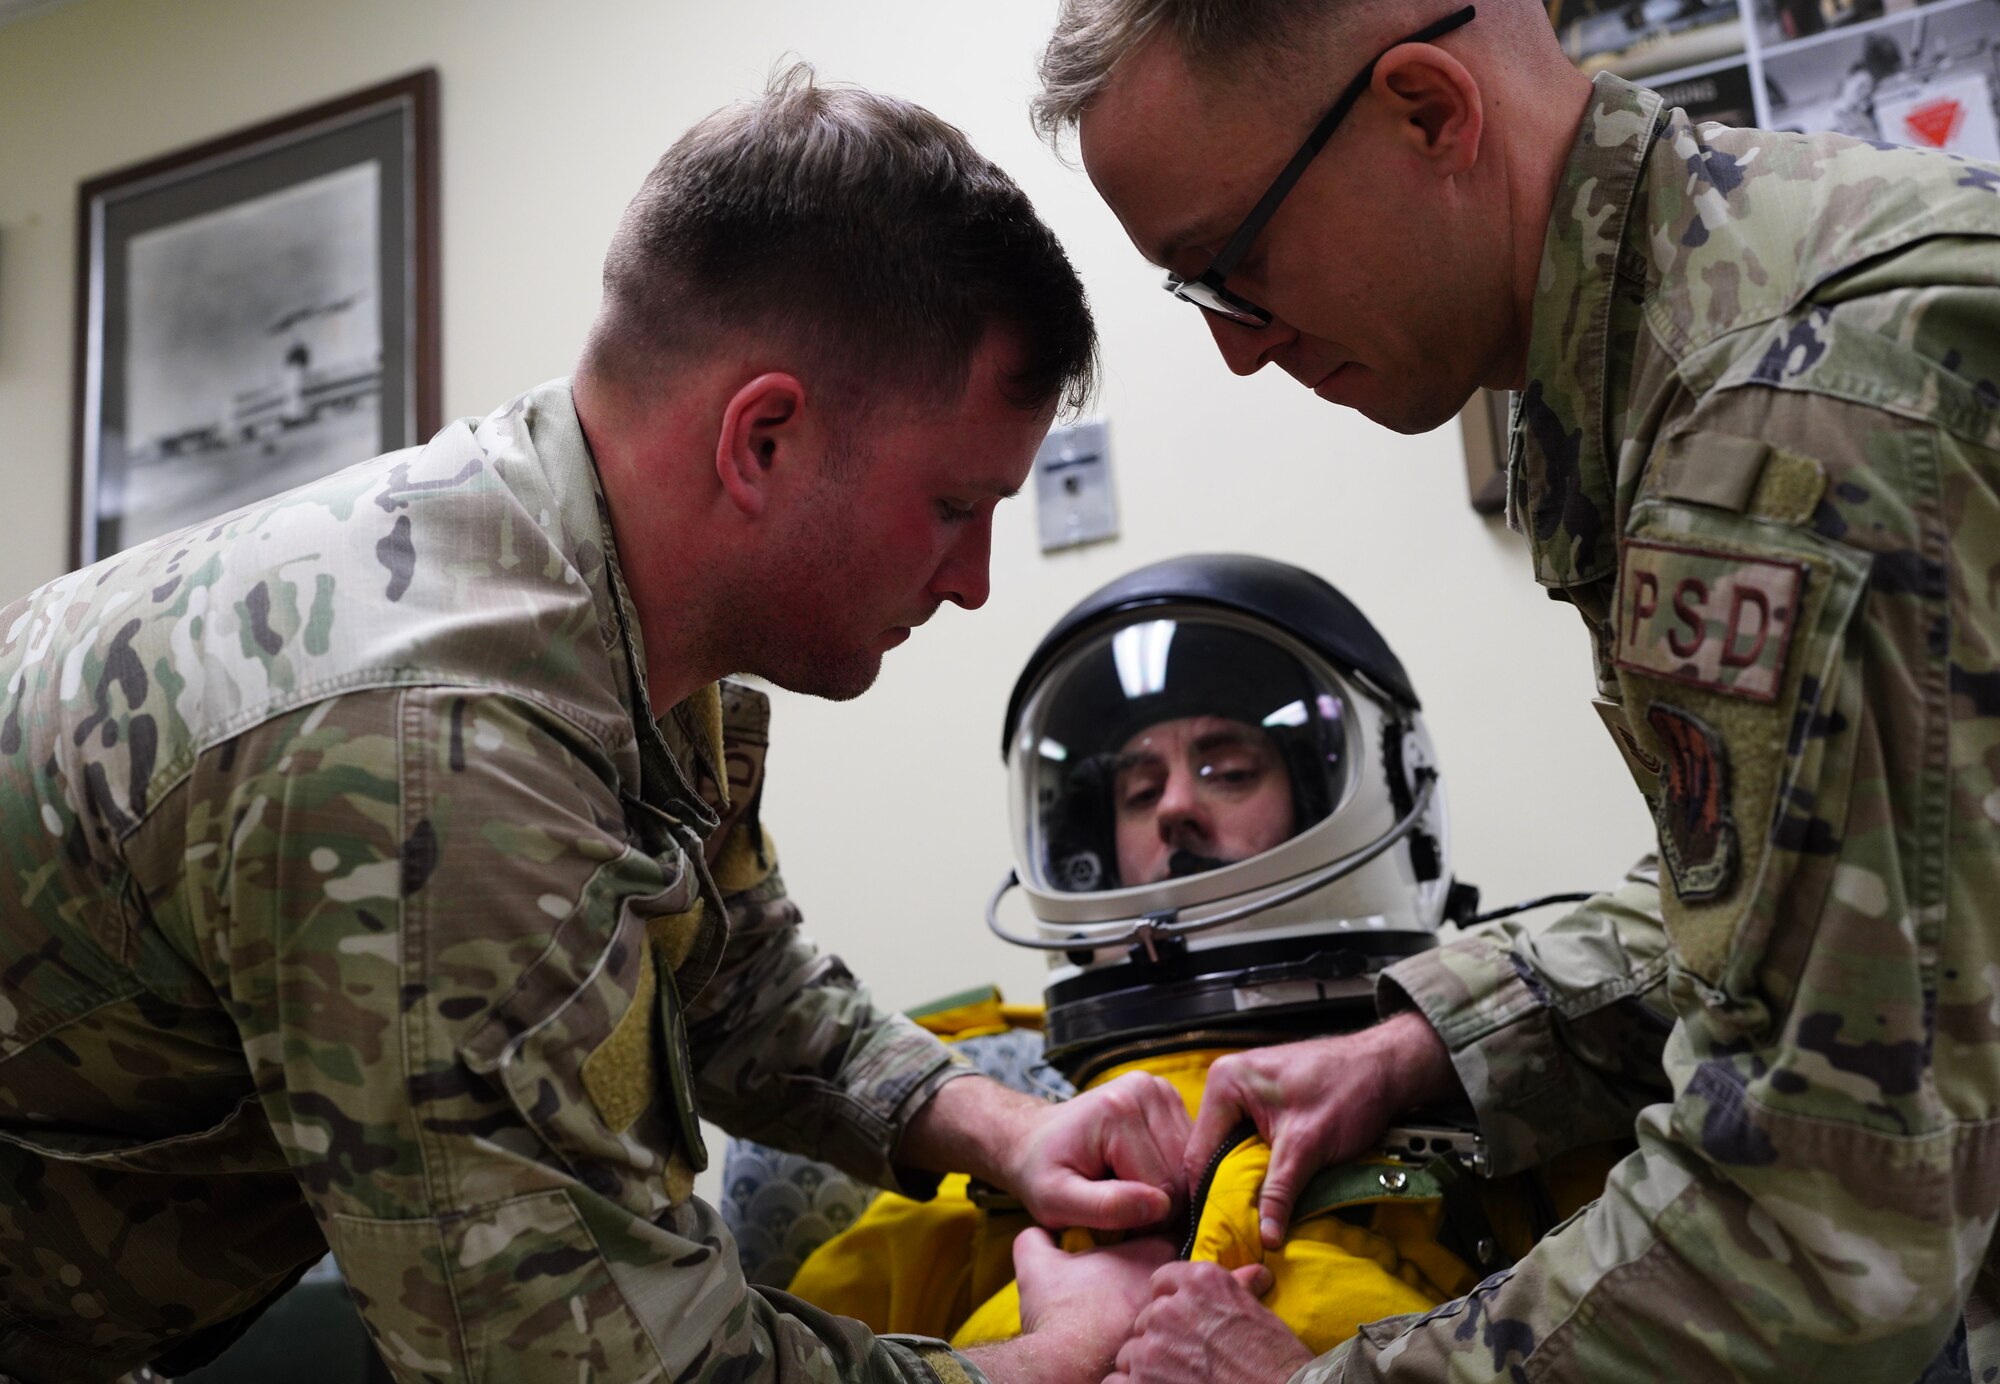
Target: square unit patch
(1710, 619)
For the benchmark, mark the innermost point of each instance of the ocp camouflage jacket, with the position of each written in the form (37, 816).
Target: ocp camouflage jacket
(1759, 451)
(354, 897)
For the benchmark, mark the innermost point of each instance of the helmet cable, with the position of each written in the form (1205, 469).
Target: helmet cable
(1511, 909)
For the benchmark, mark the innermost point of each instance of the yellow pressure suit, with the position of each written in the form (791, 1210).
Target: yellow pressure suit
(1364, 1242)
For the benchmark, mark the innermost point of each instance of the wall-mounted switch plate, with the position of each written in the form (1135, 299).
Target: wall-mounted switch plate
(1073, 494)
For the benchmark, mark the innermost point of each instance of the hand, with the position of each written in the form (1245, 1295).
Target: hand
(1318, 1102)
(1134, 1128)
(1205, 1323)
(1076, 1309)
(1091, 1297)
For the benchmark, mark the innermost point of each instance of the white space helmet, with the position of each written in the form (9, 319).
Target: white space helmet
(1226, 810)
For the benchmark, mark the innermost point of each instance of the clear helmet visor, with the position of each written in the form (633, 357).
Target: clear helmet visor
(1171, 747)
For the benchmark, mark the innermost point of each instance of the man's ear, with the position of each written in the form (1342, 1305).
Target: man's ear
(760, 429)
(1437, 102)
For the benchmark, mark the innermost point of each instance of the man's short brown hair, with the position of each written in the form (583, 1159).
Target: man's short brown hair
(859, 229)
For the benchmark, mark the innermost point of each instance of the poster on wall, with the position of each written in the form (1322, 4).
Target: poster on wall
(1925, 78)
(1635, 37)
(1917, 72)
(1724, 95)
(1483, 430)
(255, 313)
(1924, 73)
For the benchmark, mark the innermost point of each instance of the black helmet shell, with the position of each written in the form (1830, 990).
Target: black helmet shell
(1306, 606)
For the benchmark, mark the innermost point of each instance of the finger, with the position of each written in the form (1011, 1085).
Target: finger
(1159, 1095)
(1032, 1248)
(1167, 1121)
(1149, 1251)
(1222, 1109)
(1128, 1357)
(1290, 1166)
(1129, 1132)
(1255, 1279)
(1107, 1205)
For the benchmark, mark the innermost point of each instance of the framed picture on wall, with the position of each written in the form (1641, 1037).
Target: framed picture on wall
(1925, 73)
(1483, 425)
(255, 312)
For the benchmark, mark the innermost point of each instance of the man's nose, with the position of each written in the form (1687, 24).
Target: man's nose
(1246, 349)
(963, 577)
(1179, 811)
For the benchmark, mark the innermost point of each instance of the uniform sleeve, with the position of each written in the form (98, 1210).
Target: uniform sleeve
(1818, 1198)
(438, 936)
(1555, 1027)
(790, 1051)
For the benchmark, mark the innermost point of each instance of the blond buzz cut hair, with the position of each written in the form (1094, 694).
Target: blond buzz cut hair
(1281, 43)
(1092, 37)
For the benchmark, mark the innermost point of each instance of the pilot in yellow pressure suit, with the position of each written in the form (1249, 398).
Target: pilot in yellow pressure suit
(1228, 819)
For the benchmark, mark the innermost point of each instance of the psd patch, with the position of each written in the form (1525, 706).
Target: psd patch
(1717, 620)
(1697, 830)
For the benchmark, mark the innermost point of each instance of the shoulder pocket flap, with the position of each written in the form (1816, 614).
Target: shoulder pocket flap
(1707, 468)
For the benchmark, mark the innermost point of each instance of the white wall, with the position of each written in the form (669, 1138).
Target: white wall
(889, 811)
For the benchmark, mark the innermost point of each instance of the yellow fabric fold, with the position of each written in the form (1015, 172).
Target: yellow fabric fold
(913, 1266)
(944, 1267)
(921, 1267)
(1329, 1276)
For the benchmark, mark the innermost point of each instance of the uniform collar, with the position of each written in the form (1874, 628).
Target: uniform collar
(668, 747)
(1559, 463)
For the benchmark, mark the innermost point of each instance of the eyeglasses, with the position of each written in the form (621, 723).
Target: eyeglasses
(1207, 290)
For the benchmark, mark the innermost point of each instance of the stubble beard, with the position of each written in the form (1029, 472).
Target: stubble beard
(834, 676)
(783, 636)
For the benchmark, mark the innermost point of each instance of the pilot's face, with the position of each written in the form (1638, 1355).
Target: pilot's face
(1197, 793)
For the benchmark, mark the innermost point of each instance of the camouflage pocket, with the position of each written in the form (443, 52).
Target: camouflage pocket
(241, 1142)
(1728, 645)
(588, 1044)
(519, 1289)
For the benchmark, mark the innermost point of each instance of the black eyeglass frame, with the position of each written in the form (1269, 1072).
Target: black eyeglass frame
(1207, 289)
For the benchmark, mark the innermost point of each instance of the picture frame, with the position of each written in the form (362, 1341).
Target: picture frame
(254, 312)
(1924, 73)
(1483, 425)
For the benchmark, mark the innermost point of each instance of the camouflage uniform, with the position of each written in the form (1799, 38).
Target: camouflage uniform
(1759, 451)
(355, 898)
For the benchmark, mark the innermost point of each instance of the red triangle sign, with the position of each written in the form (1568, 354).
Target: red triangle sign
(1935, 122)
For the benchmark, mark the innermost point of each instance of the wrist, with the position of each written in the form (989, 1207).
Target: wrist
(1049, 1354)
(1012, 1138)
(977, 1126)
(1417, 1068)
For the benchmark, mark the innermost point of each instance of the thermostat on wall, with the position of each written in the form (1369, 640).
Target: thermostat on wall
(1073, 487)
